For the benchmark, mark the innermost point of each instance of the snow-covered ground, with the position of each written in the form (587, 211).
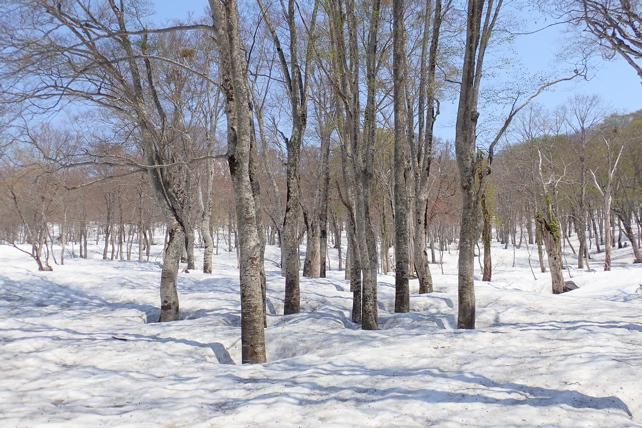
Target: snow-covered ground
(76, 350)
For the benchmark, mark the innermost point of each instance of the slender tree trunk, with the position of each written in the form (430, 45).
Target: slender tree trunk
(189, 247)
(292, 302)
(337, 245)
(354, 272)
(208, 244)
(486, 238)
(608, 237)
(63, 237)
(421, 254)
(141, 243)
(625, 218)
(529, 229)
(323, 204)
(85, 242)
(595, 231)
(107, 236)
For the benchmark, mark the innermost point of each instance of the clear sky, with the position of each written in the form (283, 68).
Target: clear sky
(545, 52)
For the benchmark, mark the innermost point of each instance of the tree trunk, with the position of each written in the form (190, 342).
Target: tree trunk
(312, 263)
(354, 272)
(323, 204)
(233, 70)
(608, 238)
(486, 238)
(402, 256)
(595, 231)
(189, 248)
(421, 254)
(292, 302)
(107, 236)
(466, 264)
(539, 237)
(529, 229)
(579, 220)
(551, 231)
(465, 149)
(169, 275)
(625, 218)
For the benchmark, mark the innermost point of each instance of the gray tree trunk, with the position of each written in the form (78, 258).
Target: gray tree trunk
(551, 231)
(625, 218)
(402, 256)
(465, 148)
(323, 206)
(169, 310)
(233, 70)
(312, 263)
(189, 247)
(486, 239)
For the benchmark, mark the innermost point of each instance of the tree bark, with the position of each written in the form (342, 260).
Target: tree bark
(465, 131)
(486, 238)
(402, 256)
(169, 275)
(625, 218)
(233, 70)
(312, 263)
(551, 231)
(189, 247)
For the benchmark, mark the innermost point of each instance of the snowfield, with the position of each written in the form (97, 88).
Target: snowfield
(78, 347)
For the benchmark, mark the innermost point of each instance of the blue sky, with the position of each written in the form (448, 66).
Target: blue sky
(545, 52)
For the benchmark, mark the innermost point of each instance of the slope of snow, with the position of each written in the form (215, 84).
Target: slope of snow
(76, 349)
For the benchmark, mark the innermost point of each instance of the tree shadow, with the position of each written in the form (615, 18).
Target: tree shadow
(572, 325)
(300, 388)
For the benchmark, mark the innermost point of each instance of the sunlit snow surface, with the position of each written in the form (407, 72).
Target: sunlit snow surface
(78, 347)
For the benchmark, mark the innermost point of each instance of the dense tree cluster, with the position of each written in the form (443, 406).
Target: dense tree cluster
(303, 121)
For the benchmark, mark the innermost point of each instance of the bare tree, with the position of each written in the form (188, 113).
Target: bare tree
(402, 161)
(421, 148)
(89, 52)
(606, 190)
(549, 226)
(296, 77)
(482, 16)
(234, 83)
(584, 114)
(615, 24)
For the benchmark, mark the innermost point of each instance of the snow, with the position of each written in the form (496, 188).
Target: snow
(78, 348)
